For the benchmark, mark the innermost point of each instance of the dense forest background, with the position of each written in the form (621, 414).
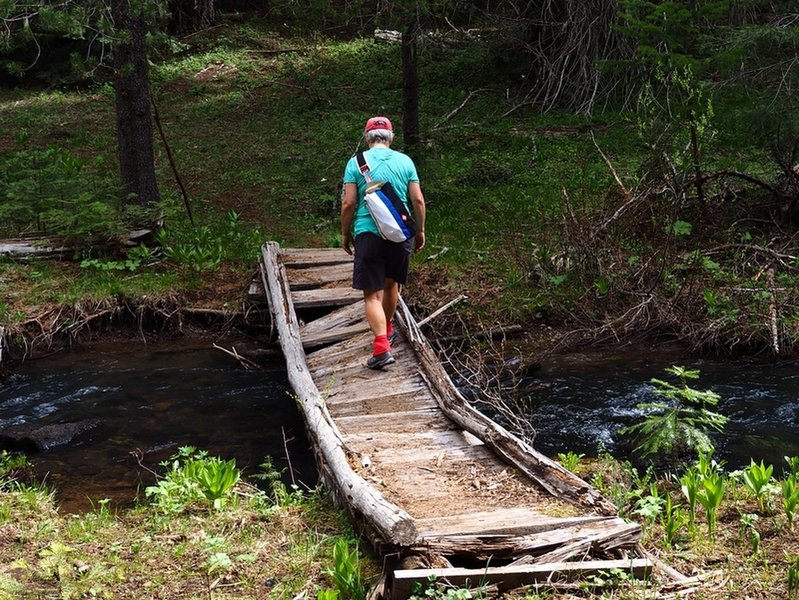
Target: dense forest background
(617, 169)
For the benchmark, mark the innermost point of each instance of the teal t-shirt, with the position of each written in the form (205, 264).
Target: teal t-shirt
(385, 164)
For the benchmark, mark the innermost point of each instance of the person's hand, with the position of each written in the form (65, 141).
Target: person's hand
(419, 240)
(346, 242)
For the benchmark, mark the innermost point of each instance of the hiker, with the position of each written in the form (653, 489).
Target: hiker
(380, 266)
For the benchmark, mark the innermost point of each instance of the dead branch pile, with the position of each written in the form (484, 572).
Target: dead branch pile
(720, 274)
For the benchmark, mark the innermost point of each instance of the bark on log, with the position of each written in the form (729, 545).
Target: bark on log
(549, 474)
(393, 523)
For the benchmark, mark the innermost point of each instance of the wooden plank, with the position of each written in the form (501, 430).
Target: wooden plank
(320, 298)
(338, 391)
(351, 363)
(340, 317)
(396, 402)
(312, 340)
(517, 521)
(317, 276)
(606, 533)
(296, 257)
(391, 423)
(508, 578)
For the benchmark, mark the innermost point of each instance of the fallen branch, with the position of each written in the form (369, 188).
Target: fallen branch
(458, 108)
(624, 189)
(245, 362)
(460, 298)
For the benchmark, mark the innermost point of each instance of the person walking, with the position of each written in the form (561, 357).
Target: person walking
(380, 266)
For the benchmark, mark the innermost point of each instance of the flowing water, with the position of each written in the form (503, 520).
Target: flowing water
(581, 403)
(152, 399)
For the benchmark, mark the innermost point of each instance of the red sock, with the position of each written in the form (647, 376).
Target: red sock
(381, 345)
(389, 328)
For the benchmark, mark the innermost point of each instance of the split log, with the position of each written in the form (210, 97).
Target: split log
(549, 474)
(393, 523)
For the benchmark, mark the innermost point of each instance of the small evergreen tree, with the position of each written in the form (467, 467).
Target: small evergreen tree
(680, 420)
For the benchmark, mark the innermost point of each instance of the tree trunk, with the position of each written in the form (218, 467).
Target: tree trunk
(410, 88)
(189, 16)
(134, 124)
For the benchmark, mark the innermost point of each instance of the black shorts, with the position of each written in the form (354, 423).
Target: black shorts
(377, 259)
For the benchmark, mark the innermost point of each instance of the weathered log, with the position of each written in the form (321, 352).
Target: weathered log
(549, 474)
(44, 247)
(393, 523)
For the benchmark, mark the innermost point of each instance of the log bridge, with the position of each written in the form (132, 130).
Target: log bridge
(432, 480)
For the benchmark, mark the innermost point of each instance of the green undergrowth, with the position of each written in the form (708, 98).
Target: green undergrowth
(200, 533)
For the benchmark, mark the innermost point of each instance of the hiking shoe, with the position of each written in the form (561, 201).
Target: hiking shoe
(392, 338)
(380, 361)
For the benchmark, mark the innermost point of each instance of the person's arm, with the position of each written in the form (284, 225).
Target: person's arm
(349, 201)
(419, 212)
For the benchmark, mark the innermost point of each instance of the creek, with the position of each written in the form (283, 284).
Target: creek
(581, 402)
(129, 398)
(123, 399)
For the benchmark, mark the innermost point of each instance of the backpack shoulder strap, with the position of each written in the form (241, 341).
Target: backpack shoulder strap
(363, 166)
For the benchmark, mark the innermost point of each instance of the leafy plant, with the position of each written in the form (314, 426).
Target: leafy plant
(748, 522)
(281, 494)
(790, 498)
(204, 248)
(216, 478)
(570, 460)
(434, 589)
(346, 573)
(11, 464)
(757, 478)
(710, 495)
(689, 485)
(793, 574)
(193, 477)
(650, 506)
(672, 518)
(793, 464)
(680, 421)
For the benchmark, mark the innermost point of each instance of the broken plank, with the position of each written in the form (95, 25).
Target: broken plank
(340, 317)
(506, 578)
(322, 297)
(517, 521)
(602, 533)
(311, 340)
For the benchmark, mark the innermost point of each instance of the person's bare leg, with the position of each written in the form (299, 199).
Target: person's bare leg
(390, 298)
(375, 313)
